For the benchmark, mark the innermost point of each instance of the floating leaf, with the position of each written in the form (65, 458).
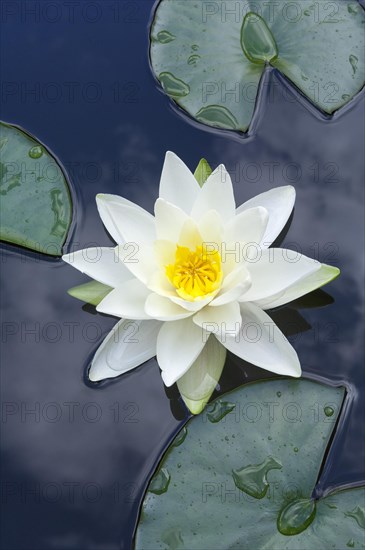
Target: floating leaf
(270, 447)
(213, 65)
(92, 292)
(36, 205)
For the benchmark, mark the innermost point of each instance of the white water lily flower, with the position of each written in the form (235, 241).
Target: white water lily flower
(195, 280)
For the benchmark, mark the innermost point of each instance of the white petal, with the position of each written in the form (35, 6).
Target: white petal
(211, 229)
(235, 284)
(160, 284)
(247, 227)
(178, 185)
(221, 319)
(196, 305)
(139, 259)
(279, 202)
(127, 346)
(199, 382)
(128, 301)
(100, 263)
(125, 221)
(216, 194)
(163, 309)
(261, 343)
(321, 277)
(169, 220)
(190, 235)
(275, 270)
(165, 252)
(178, 345)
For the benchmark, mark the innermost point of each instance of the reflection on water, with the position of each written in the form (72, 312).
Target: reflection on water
(77, 456)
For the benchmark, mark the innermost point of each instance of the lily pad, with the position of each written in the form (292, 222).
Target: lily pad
(235, 483)
(217, 52)
(36, 205)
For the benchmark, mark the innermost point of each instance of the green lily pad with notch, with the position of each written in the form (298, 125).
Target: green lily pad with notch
(232, 482)
(209, 57)
(36, 206)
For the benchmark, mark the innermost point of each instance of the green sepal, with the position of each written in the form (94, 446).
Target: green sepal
(202, 172)
(92, 292)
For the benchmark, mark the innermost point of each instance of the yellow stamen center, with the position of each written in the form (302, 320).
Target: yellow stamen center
(195, 274)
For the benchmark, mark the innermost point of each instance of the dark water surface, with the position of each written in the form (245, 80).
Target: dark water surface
(76, 457)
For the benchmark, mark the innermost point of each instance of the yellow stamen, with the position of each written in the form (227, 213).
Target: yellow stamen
(195, 274)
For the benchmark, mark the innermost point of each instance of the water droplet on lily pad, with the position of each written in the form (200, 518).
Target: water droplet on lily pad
(278, 393)
(257, 41)
(218, 116)
(358, 514)
(35, 152)
(296, 516)
(173, 539)
(220, 410)
(353, 62)
(352, 8)
(252, 479)
(193, 59)
(173, 86)
(195, 47)
(350, 543)
(345, 97)
(329, 411)
(160, 482)
(164, 37)
(180, 437)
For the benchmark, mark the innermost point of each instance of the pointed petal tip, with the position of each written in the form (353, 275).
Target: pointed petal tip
(170, 154)
(289, 189)
(335, 271)
(92, 376)
(66, 258)
(71, 292)
(295, 369)
(330, 273)
(221, 167)
(167, 380)
(99, 309)
(195, 407)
